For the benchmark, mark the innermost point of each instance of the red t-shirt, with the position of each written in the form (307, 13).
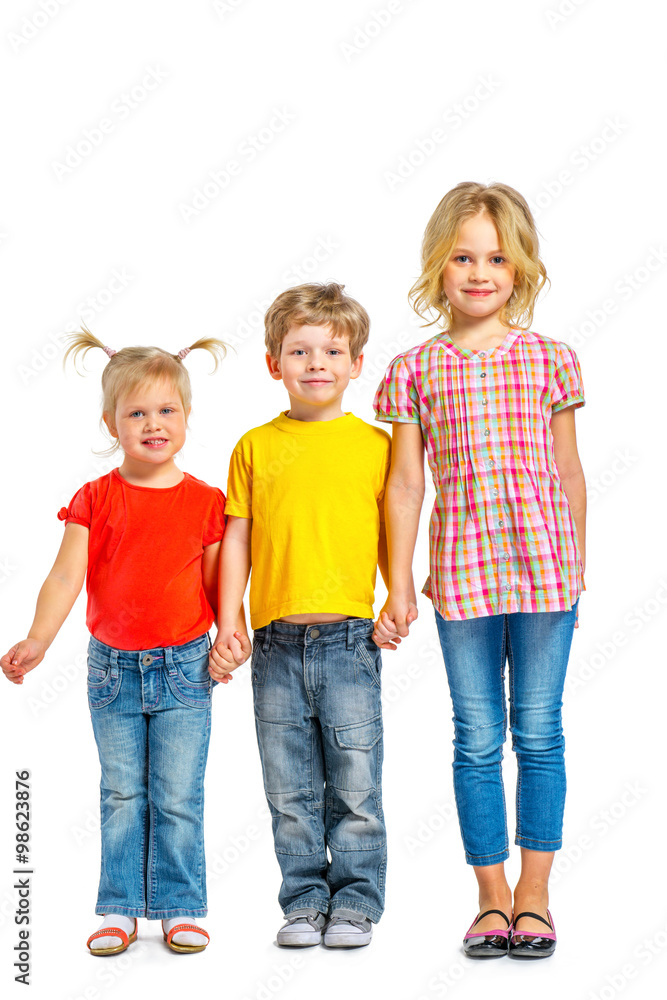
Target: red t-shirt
(144, 578)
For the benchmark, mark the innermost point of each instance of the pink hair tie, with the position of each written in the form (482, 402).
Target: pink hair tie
(182, 354)
(110, 351)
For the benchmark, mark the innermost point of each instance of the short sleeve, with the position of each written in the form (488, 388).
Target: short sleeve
(239, 482)
(566, 385)
(80, 508)
(397, 399)
(385, 475)
(214, 528)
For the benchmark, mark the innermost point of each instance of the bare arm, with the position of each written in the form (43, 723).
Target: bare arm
(404, 496)
(232, 645)
(570, 471)
(56, 598)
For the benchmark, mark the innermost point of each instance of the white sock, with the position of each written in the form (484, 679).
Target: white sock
(184, 937)
(113, 941)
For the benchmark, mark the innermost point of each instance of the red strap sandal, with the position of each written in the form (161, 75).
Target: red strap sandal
(112, 932)
(185, 949)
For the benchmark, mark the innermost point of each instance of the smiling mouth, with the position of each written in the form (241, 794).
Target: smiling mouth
(317, 381)
(154, 442)
(478, 291)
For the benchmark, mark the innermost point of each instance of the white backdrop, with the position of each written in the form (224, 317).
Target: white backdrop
(167, 168)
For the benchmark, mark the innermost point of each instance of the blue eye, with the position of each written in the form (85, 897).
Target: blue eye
(166, 409)
(136, 413)
(501, 260)
(462, 256)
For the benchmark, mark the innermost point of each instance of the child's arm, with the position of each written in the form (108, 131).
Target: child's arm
(232, 646)
(59, 592)
(404, 496)
(570, 472)
(210, 568)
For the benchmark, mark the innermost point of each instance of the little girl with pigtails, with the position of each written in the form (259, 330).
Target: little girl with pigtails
(150, 532)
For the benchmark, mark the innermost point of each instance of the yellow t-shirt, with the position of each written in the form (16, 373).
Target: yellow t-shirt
(314, 491)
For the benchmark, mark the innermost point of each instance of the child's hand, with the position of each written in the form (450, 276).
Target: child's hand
(394, 622)
(24, 656)
(228, 653)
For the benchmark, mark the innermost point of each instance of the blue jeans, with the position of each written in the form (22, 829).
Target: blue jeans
(318, 714)
(536, 647)
(151, 714)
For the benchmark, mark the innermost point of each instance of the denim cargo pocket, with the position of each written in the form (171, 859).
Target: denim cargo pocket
(191, 684)
(103, 685)
(359, 735)
(367, 662)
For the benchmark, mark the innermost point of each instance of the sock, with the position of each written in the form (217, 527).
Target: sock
(113, 941)
(184, 937)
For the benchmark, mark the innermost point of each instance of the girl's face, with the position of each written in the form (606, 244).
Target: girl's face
(477, 279)
(150, 423)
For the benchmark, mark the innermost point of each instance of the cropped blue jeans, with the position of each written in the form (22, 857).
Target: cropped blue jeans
(318, 715)
(151, 715)
(536, 647)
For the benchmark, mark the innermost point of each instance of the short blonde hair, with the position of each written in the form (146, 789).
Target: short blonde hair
(132, 367)
(316, 305)
(518, 237)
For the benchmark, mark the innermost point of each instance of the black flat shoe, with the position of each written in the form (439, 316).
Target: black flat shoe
(487, 944)
(533, 945)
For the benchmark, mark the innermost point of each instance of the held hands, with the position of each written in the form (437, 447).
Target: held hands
(230, 650)
(24, 656)
(394, 621)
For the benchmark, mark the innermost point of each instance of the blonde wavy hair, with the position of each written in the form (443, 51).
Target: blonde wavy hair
(518, 238)
(316, 305)
(132, 367)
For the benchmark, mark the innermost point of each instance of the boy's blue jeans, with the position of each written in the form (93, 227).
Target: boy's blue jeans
(318, 714)
(151, 714)
(536, 646)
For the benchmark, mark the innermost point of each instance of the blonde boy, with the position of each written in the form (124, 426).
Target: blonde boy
(304, 505)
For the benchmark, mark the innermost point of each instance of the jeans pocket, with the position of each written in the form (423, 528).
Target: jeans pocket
(367, 662)
(103, 685)
(190, 683)
(259, 662)
(359, 735)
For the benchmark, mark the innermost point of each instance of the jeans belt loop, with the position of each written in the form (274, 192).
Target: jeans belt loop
(350, 634)
(169, 660)
(114, 663)
(267, 637)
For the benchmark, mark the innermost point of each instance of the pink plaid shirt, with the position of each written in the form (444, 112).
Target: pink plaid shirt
(502, 537)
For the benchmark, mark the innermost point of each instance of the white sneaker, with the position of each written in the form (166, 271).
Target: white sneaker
(348, 929)
(302, 930)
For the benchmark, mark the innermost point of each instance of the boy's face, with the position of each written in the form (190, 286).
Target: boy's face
(315, 367)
